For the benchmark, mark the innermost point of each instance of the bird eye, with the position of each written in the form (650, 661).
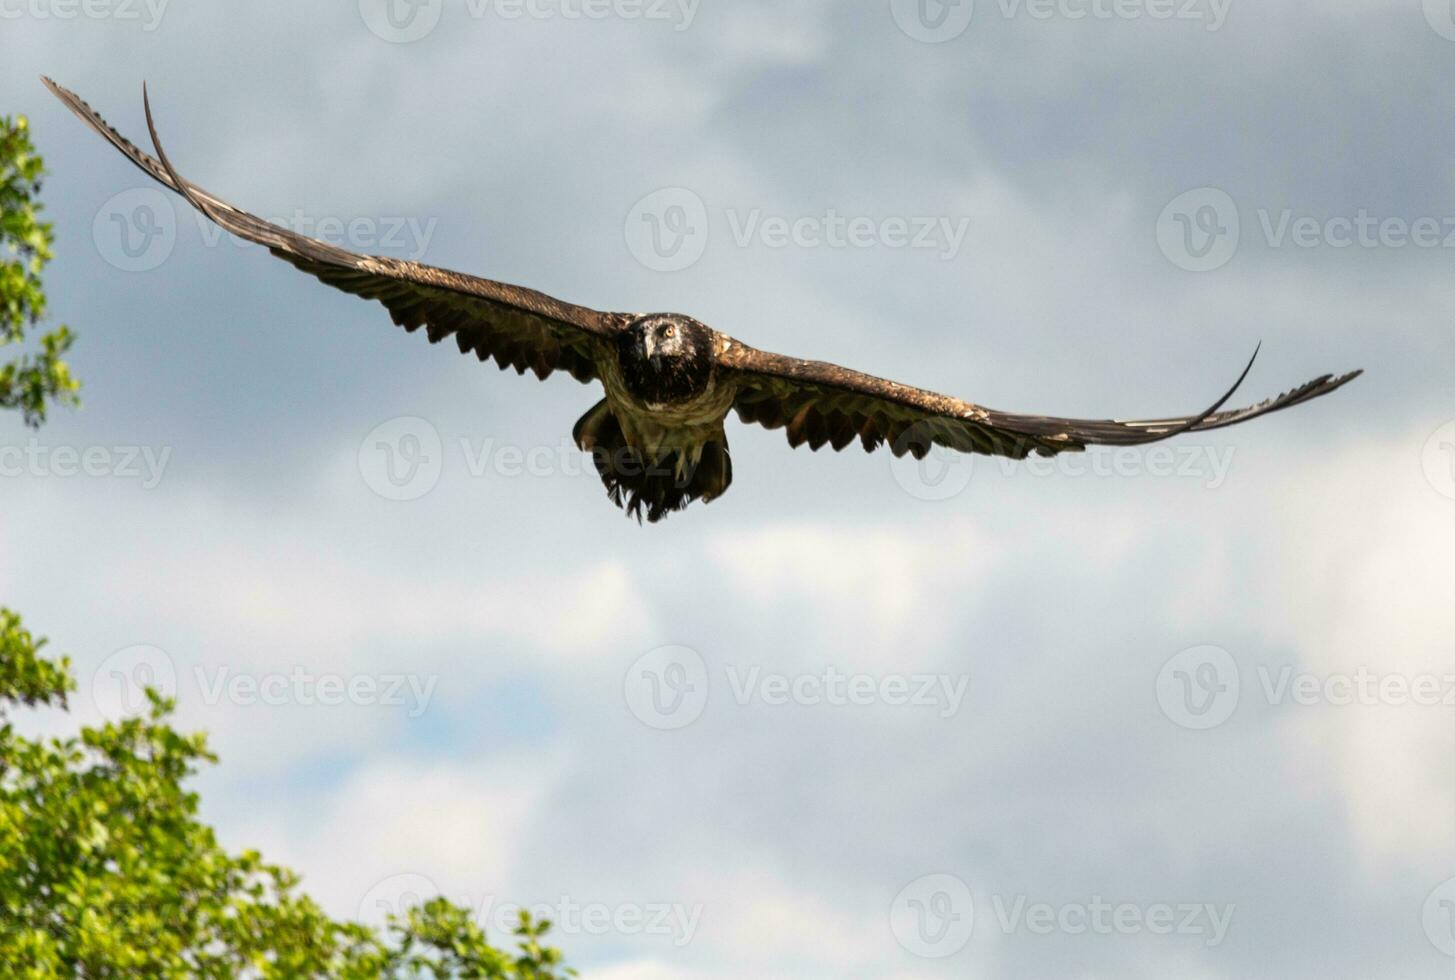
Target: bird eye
(670, 332)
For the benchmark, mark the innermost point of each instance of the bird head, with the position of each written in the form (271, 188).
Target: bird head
(666, 356)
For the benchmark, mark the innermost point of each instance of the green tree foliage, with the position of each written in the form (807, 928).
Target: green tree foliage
(105, 869)
(32, 380)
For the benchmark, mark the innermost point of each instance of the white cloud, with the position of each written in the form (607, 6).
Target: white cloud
(863, 591)
(1363, 583)
(395, 824)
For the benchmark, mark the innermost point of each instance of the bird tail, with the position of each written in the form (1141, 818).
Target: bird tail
(657, 487)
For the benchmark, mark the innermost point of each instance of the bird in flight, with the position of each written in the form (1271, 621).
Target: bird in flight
(657, 438)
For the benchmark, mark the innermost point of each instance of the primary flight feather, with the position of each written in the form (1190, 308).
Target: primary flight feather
(670, 381)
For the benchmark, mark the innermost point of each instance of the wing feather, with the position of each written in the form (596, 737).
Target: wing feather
(518, 327)
(824, 404)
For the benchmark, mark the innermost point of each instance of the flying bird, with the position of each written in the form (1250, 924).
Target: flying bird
(657, 437)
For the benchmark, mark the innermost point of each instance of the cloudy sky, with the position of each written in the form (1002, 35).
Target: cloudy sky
(1183, 713)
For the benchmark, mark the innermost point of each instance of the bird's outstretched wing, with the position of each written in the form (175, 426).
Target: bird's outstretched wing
(824, 404)
(519, 327)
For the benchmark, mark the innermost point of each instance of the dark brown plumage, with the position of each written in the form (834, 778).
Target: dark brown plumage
(670, 381)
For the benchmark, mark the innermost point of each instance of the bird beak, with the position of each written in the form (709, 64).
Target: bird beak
(649, 347)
